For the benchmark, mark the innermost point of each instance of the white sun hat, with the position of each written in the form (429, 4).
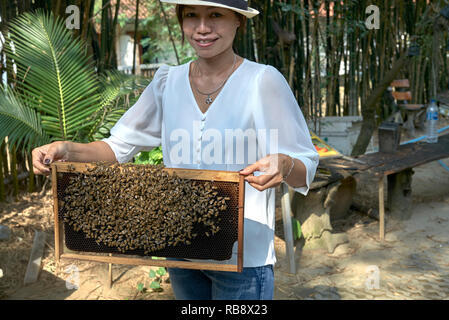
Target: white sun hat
(240, 6)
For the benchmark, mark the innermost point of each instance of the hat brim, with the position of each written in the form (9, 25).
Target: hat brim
(248, 13)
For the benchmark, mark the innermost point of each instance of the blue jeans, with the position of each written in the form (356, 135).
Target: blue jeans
(251, 284)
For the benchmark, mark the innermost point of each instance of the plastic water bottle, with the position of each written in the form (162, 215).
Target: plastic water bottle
(432, 122)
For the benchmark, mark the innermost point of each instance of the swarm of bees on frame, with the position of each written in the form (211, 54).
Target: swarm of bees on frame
(133, 207)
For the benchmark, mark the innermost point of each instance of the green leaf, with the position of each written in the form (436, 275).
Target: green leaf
(153, 157)
(297, 232)
(161, 271)
(152, 274)
(155, 285)
(140, 287)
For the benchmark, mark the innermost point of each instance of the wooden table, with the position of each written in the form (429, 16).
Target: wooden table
(405, 158)
(381, 164)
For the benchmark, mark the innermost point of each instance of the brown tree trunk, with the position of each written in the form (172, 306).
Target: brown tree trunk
(369, 109)
(2, 185)
(136, 26)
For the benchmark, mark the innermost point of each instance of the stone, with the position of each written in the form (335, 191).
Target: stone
(314, 214)
(319, 297)
(5, 233)
(332, 240)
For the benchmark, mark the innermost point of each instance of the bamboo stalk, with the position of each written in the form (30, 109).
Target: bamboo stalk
(6, 157)
(136, 26)
(14, 173)
(2, 184)
(306, 59)
(31, 186)
(56, 7)
(169, 32)
(113, 58)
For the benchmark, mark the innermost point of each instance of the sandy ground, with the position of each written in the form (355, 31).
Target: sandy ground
(413, 262)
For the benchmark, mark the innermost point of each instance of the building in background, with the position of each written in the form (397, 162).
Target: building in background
(124, 43)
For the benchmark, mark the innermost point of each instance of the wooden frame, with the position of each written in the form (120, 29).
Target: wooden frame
(215, 175)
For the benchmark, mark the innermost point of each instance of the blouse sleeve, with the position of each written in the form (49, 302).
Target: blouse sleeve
(279, 110)
(140, 126)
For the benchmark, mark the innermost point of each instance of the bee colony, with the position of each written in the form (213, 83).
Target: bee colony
(144, 210)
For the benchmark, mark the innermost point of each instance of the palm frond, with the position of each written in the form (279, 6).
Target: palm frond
(116, 84)
(60, 82)
(106, 123)
(20, 123)
(116, 89)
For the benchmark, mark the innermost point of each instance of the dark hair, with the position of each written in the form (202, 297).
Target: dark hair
(241, 29)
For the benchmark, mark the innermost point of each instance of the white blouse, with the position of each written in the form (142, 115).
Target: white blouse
(254, 114)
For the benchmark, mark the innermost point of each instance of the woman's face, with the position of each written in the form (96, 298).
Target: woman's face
(209, 30)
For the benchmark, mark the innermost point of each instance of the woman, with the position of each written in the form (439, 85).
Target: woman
(219, 112)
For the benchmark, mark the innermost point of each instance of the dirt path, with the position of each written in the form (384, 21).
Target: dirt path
(413, 262)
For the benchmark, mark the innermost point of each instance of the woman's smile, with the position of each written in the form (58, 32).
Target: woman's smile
(205, 43)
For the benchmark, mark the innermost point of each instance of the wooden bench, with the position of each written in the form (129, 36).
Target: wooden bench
(414, 113)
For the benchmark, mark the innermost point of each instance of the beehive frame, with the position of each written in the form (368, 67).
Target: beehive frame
(61, 252)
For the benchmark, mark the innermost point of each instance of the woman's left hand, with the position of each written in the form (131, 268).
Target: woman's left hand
(274, 166)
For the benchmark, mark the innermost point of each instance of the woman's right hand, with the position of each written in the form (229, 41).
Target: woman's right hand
(44, 155)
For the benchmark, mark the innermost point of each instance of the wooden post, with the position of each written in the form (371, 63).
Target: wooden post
(110, 274)
(34, 264)
(381, 209)
(241, 205)
(56, 213)
(288, 230)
